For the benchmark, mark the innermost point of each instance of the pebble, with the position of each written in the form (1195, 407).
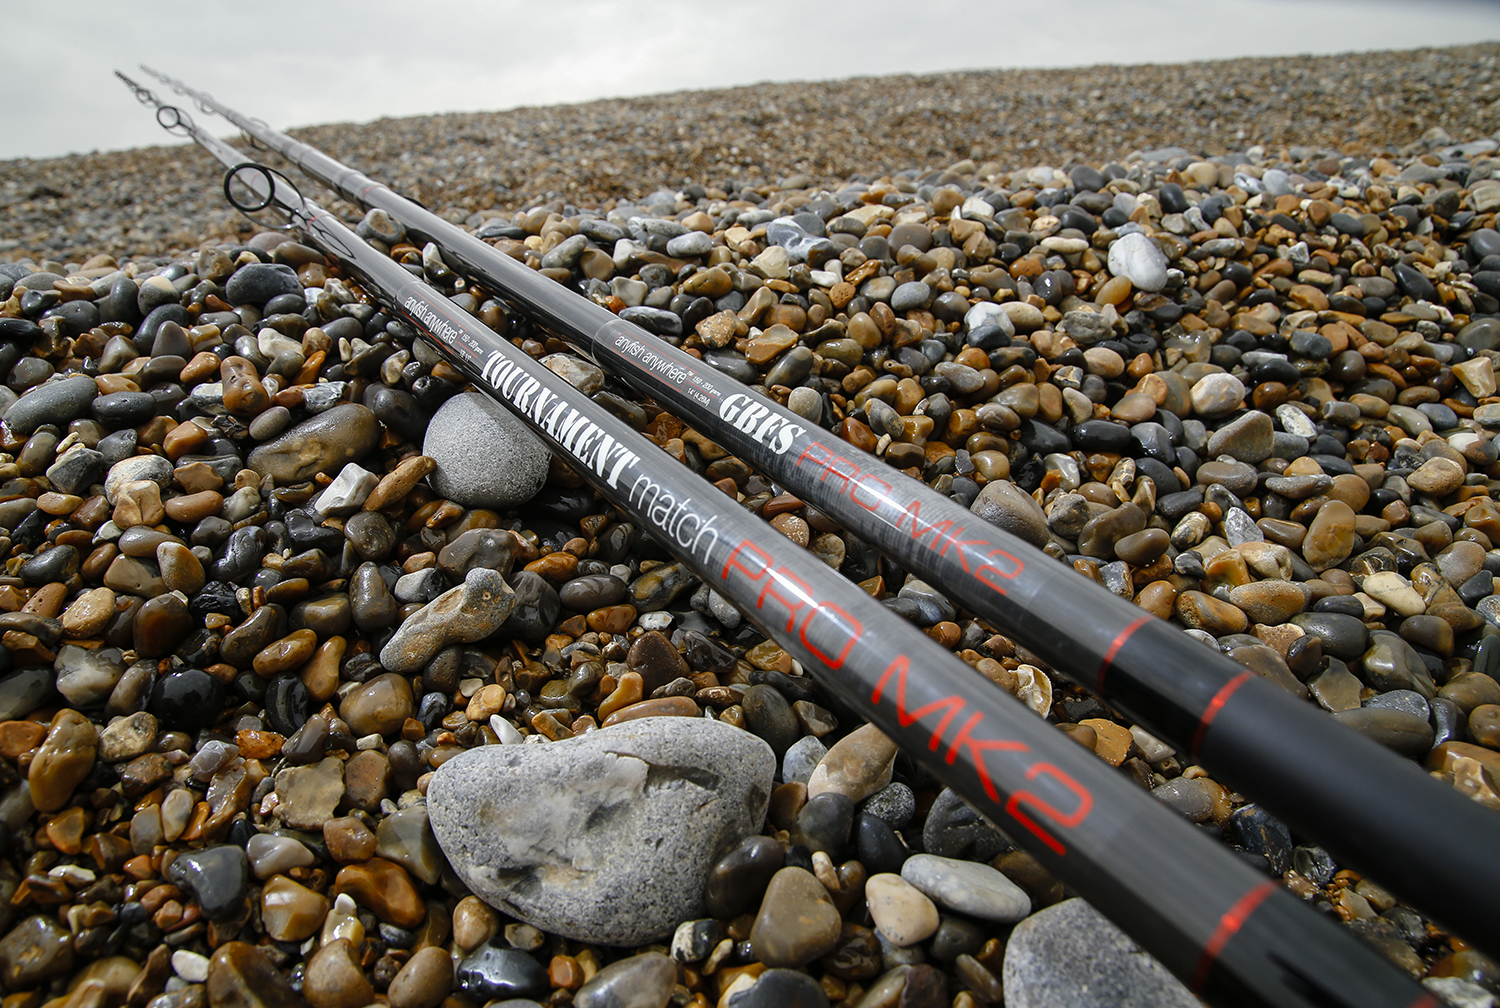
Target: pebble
(424, 982)
(35, 951)
(856, 767)
(797, 921)
(334, 978)
(641, 981)
(321, 444)
(482, 455)
(490, 973)
(63, 760)
(463, 614)
(903, 914)
(217, 876)
(1138, 259)
(707, 785)
(291, 912)
(241, 976)
(969, 887)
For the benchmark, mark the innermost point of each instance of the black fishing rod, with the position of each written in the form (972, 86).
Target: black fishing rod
(1373, 810)
(1236, 937)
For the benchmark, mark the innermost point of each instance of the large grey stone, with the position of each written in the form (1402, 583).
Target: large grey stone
(484, 456)
(1070, 956)
(607, 837)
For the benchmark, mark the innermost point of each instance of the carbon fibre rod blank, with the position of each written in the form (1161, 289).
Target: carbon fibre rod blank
(1374, 810)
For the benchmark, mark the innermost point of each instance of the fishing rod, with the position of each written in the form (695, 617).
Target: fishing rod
(1236, 937)
(1373, 810)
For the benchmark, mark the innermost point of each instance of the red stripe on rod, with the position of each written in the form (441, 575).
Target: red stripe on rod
(1212, 710)
(1114, 649)
(1234, 918)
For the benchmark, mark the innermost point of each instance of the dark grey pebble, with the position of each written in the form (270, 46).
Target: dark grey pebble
(257, 283)
(738, 880)
(217, 876)
(955, 829)
(488, 973)
(55, 402)
(782, 988)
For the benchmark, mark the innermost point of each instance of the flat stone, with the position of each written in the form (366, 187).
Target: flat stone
(463, 614)
(969, 887)
(56, 402)
(320, 444)
(607, 837)
(309, 794)
(1251, 438)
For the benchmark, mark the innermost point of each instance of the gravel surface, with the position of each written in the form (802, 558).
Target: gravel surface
(1222, 338)
(158, 200)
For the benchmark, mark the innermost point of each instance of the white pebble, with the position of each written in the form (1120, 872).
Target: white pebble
(191, 966)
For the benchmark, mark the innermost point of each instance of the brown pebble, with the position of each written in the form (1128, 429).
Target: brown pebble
(89, 613)
(244, 395)
(181, 570)
(286, 654)
(383, 888)
(397, 483)
(379, 707)
(474, 923)
(17, 737)
(425, 980)
(1204, 612)
(241, 976)
(1111, 741)
(138, 502)
(349, 840)
(677, 706)
(615, 619)
(290, 911)
(1484, 725)
(194, 507)
(321, 673)
(63, 760)
(333, 978)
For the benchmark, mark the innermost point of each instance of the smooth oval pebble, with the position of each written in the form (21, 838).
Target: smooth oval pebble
(967, 886)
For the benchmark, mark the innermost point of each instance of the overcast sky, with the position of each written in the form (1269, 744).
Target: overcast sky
(305, 62)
